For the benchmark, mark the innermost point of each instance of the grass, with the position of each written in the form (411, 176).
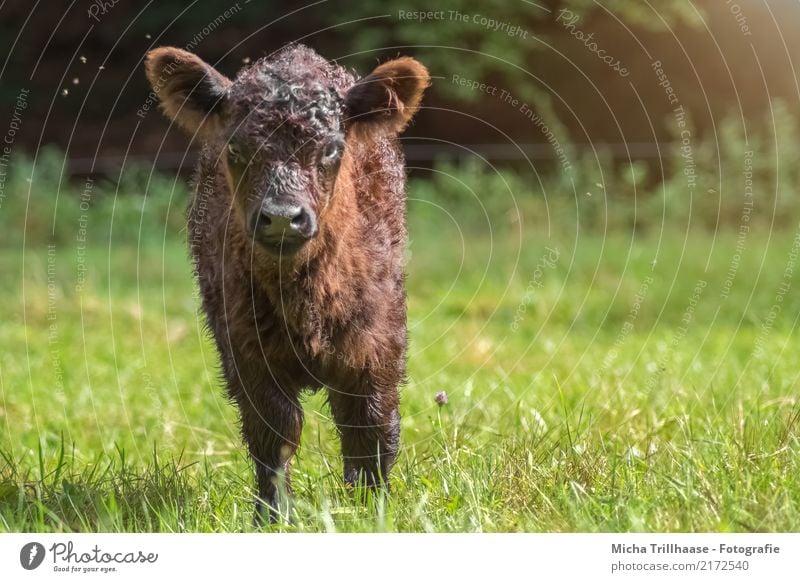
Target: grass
(570, 408)
(604, 372)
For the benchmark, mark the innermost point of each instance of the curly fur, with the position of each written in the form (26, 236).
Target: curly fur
(332, 315)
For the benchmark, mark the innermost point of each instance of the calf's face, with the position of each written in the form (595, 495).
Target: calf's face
(283, 127)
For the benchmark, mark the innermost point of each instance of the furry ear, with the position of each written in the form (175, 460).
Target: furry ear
(388, 97)
(191, 91)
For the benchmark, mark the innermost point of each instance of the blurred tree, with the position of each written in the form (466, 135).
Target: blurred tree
(86, 73)
(480, 39)
(508, 43)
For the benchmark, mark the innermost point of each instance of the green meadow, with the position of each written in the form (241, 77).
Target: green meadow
(612, 362)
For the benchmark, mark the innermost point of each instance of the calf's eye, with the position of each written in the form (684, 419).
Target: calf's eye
(331, 153)
(234, 154)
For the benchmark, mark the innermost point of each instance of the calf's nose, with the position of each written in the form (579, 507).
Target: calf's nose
(287, 220)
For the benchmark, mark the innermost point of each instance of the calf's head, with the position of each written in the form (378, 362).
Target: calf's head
(282, 128)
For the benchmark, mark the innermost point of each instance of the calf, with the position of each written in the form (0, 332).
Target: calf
(297, 231)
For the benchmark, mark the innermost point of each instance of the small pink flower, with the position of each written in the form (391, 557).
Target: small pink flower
(441, 398)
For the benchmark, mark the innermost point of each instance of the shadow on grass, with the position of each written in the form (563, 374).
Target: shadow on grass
(64, 493)
(108, 495)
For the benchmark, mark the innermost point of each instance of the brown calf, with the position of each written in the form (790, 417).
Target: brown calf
(297, 230)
